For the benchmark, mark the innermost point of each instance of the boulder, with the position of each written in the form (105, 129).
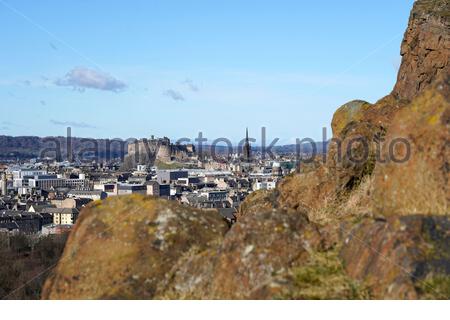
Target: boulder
(358, 128)
(403, 257)
(123, 247)
(259, 249)
(349, 112)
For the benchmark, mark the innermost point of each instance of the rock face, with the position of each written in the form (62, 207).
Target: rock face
(401, 258)
(122, 247)
(257, 249)
(309, 191)
(413, 175)
(142, 248)
(259, 201)
(358, 128)
(425, 48)
(338, 228)
(260, 247)
(363, 132)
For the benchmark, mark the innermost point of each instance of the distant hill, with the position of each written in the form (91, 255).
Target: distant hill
(28, 147)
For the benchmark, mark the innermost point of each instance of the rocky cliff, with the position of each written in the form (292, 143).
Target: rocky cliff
(371, 221)
(425, 48)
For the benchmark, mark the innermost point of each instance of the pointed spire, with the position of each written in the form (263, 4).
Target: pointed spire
(247, 148)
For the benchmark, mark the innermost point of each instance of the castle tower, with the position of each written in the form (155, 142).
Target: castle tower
(247, 149)
(164, 153)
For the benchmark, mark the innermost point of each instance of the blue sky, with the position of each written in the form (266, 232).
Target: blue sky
(136, 68)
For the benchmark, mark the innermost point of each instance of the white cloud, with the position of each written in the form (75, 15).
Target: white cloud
(81, 78)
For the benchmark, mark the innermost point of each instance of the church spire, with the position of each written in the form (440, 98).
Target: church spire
(247, 148)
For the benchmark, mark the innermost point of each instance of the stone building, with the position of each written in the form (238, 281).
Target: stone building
(147, 151)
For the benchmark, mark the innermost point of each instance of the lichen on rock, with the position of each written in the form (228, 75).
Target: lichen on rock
(122, 247)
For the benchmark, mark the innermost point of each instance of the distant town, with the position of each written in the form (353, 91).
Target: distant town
(45, 196)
